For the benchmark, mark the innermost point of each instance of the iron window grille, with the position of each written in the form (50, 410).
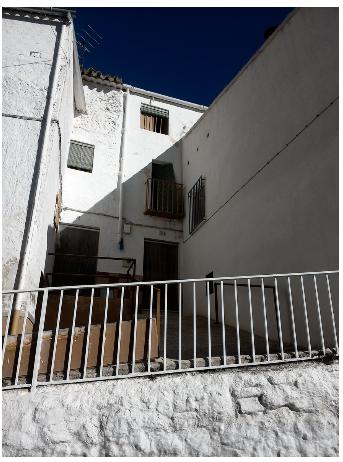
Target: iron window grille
(154, 119)
(196, 202)
(81, 156)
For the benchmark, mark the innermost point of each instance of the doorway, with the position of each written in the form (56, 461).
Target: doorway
(161, 262)
(73, 245)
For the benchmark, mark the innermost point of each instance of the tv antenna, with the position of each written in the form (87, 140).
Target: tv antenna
(87, 41)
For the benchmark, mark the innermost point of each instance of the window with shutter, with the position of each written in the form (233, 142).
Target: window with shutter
(154, 119)
(81, 156)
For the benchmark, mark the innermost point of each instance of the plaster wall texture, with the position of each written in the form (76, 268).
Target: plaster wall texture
(270, 411)
(29, 53)
(268, 149)
(91, 199)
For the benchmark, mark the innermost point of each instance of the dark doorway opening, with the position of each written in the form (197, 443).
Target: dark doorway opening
(73, 245)
(161, 263)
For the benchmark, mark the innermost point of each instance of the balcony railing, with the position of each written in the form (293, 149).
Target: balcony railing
(259, 319)
(164, 198)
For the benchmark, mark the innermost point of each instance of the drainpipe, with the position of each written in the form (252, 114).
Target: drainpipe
(120, 239)
(37, 179)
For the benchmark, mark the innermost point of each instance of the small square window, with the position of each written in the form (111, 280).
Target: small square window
(154, 119)
(81, 156)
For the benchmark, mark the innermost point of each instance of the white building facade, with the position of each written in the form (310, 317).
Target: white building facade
(255, 174)
(41, 88)
(91, 199)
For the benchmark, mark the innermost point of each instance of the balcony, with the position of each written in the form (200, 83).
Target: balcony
(164, 198)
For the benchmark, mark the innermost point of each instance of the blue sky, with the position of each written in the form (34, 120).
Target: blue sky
(188, 53)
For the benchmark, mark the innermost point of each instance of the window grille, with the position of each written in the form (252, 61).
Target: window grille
(196, 201)
(81, 156)
(154, 119)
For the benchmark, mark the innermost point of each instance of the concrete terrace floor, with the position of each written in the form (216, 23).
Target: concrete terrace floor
(187, 349)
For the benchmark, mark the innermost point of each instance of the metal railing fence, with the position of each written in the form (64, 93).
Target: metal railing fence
(164, 198)
(296, 321)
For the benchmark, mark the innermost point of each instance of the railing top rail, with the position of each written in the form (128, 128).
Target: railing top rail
(164, 181)
(173, 281)
(91, 256)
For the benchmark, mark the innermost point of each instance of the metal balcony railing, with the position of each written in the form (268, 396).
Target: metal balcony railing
(258, 319)
(164, 198)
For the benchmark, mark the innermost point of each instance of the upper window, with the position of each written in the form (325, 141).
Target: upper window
(81, 156)
(196, 202)
(154, 119)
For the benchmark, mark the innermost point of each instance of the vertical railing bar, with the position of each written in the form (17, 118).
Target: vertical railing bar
(135, 333)
(251, 325)
(165, 327)
(279, 318)
(209, 324)
(158, 193)
(72, 334)
(39, 340)
(292, 318)
(150, 325)
(319, 315)
(180, 321)
(104, 333)
(88, 333)
(223, 321)
(167, 188)
(306, 318)
(332, 313)
(265, 319)
(56, 335)
(21, 343)
(119, 327)
(172, 198)
(237, 326)
(194, 326)
(152, 194)
(147, 194)
(190, 211)
(7, 328)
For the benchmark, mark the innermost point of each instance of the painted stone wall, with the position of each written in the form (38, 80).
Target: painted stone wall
(29, 53)
(288, 410)
(272, 185)
(92, 199)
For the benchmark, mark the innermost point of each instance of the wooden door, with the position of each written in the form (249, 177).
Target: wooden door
(160, 264)
(73, 245)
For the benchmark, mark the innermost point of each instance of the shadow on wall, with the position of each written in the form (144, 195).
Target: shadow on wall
(102, 215)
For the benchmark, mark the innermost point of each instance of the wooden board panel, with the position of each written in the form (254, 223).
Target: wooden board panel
(79, 341)
(82, 311)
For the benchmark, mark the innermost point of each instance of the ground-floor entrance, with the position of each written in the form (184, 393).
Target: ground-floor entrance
(161, 263)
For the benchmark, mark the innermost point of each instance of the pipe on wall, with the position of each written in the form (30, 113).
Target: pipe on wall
(38, 178)
(120, 239)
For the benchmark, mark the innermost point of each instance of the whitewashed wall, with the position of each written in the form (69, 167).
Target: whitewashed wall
(91, 199)
(287, 411)
(281, 216)
(29, 50)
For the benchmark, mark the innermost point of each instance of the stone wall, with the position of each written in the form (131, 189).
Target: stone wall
(286, 410)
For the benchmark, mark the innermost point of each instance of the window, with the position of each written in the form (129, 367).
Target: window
(154, 119)
(196, 202)
(81, 156)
